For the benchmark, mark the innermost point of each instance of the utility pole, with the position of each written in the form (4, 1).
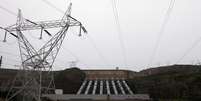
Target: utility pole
(1, 61)
(36, 77)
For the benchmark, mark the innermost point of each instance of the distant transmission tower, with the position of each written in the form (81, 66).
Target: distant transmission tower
(36, 77)
(73, 64)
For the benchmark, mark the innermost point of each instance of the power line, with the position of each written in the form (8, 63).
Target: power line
(14, 55)
(91, 41)
(161, 31)
(120, 36)
(8, 11)
(53, 6)
(67, 50)
(60, 61)
(99, 53)
(57, 58)
(50, 4)
(189, 50)
(44, 42)
(72, 54)
(59, 10)
(97, 50)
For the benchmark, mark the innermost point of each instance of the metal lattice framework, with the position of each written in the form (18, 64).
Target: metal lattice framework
(36, 77)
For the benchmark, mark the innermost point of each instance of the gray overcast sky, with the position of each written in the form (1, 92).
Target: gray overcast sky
(140, 22)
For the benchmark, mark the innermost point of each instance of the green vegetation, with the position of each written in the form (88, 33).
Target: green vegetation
(168, 83)
(69, 80)
(183, 85)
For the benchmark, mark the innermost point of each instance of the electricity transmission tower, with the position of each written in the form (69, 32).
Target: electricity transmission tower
(73, 64)
(36, 77)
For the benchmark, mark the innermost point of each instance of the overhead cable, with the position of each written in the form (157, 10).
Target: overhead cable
(102, 57)
(189, 50)
(119, 31)
(8, 11)
(161, 31)
(53, 6)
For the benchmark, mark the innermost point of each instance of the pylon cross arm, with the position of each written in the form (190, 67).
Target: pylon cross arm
(29, 25)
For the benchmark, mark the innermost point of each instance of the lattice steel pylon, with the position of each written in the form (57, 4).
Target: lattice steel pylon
(36, 77)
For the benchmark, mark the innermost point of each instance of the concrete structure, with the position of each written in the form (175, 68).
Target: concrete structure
(107, 74)
(103, 85)
(59, 91)
(68, 97)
